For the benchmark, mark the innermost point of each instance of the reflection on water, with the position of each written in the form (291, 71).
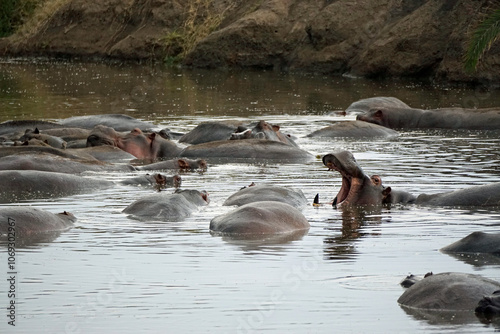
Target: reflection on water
(111, 273)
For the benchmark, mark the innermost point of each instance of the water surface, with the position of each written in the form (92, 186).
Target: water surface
(114, 274)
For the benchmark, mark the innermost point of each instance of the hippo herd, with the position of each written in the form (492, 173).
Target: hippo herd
(42, 159)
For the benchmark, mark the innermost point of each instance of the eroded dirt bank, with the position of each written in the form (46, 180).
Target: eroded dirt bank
(415, 38)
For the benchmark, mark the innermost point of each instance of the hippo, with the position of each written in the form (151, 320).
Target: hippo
(159, 180)
(12, 128)
(103, 153)
(54, 163)
(489, 306)
(446, 118)
(151, 146)
(476, 242)
(412, 279)
(11, 150)
(211, 131)
(263, 130)
(256, 193)
(30, 184)
(118, 122)
(166, 133)
(260, 218)
(354, 129)
(475, 196)
(250, 150)
(392, 196)
(51, 140)
(68, 134)
(448, 291)
(167, 207)
(357, 187)
(26, 221)
(367, 104)
(178, 164)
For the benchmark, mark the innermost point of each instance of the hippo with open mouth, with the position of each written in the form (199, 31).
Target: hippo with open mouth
(357, 187)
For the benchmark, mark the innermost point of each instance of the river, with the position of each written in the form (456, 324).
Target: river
(113, 274)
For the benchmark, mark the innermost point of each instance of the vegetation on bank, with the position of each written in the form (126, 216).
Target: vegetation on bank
(201, 19)
(24, 17)
(487, 33)
(14, 13)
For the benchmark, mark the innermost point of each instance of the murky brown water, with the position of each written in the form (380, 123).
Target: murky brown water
(113, 274)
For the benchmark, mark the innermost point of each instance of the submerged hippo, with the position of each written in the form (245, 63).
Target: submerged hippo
(489, 306)
(475, 196)
(10, 128)
(446, 118)
(367, 104)
(54, 163)
(167, 207)
(250, 150)
(354, 129)
(256, 193)
(476, 242)
(27, 221)
(260, 218)
(50, 140)
(118, 122)
(29, 184)
(142, 146)
(178, 164)
(160, 181)
(263, 130)
(357, 187)
(211, 131)
(448, 292)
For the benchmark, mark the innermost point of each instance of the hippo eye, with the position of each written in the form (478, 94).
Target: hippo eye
(376, 180)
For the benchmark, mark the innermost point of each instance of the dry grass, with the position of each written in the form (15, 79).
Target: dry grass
(44, 10)
(201, 19)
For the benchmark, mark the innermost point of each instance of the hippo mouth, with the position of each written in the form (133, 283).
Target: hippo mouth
(352, 176)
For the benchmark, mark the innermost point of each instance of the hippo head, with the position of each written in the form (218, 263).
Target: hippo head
(489, 306)
(357, 188)
(102, 135)
(67, 217)
(374, 115)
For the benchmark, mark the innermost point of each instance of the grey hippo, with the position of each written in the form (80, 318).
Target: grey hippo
(167, 207)
(450, 291)
(259, 219)
(354, 130)
(444, 118)
(360, 189)
(26, 221)
(262, 192)
(476, 242)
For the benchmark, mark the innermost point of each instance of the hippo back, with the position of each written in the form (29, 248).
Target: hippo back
(447, 292)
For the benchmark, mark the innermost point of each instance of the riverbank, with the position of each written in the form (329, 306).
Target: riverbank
(387, 38)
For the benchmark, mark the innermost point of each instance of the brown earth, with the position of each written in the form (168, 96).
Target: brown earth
(401, 38)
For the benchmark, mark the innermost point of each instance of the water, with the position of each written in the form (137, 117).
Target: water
(113, 274)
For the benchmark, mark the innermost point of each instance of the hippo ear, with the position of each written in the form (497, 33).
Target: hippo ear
(136, 131)
(316, 200)
(37, 132)
(276, 128)
(183, 164)
(386, 191)
(151, 136)
(159, 178)
(378, 114)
